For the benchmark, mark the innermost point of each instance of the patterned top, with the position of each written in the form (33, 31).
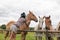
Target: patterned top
(20, 21)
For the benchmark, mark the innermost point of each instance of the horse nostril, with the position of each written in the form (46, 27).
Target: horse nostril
(36, 20)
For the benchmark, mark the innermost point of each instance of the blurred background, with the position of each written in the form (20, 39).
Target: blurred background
(11, 10)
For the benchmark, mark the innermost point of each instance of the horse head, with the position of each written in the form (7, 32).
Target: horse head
(41, 20)
(32, 16)
(48, 22)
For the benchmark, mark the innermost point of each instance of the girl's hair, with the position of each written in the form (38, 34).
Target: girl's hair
(23, 15)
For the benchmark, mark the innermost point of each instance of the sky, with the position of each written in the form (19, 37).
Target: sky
(11, 9)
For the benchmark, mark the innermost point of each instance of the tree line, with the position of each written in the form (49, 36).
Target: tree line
(3, 26)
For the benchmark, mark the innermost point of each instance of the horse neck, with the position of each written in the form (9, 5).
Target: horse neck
(28, 20)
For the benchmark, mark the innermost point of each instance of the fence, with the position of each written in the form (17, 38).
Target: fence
(51, 32)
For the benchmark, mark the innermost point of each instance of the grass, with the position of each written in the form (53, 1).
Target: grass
(30, 36)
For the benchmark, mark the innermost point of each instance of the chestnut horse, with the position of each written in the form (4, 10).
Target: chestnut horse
(48, 26)
(9, 24)
(25, 26)
(39, 27)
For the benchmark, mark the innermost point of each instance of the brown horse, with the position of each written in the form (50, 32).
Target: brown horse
(48, 25)
(9, 24)
(25, 26)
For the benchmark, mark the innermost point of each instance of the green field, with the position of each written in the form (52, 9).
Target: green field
(30, 36)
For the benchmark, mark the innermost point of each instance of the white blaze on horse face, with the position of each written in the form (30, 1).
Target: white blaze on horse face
(41, 22)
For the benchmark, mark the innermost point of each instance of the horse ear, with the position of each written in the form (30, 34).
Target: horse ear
(49, 16)
(29, 11)
(43, 17)
(39, 16)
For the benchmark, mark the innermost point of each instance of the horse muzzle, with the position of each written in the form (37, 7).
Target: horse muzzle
(36, 20)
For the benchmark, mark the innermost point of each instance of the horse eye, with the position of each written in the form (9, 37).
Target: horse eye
(33, 15)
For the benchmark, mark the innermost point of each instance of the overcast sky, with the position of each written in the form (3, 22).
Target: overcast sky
(11, 9)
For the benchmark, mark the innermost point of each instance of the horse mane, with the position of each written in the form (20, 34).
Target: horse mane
(29, 13)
